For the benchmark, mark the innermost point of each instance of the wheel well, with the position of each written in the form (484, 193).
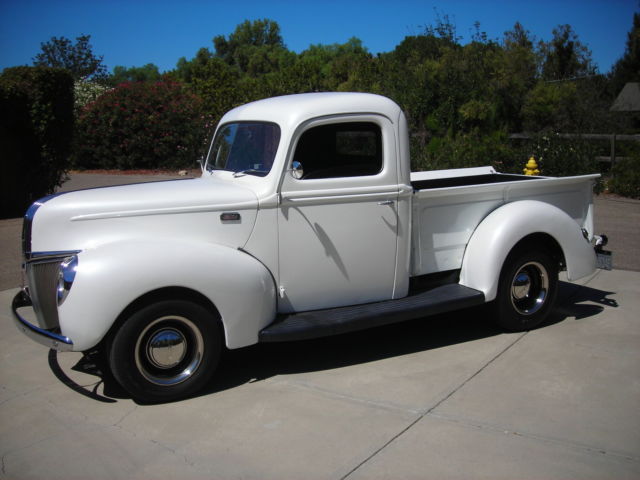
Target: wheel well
(167, 293)
(542, 241)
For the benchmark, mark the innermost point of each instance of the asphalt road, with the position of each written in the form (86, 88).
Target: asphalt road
(442, 397)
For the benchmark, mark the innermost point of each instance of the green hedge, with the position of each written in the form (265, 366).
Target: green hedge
(36, 129)
(141, 126)
(471, 149)
(625, 177)
(563, 157)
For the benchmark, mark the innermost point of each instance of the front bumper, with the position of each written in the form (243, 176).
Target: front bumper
(47, 338)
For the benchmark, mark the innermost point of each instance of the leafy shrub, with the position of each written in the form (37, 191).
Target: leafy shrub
(625, 179)
(561, 157)
(36, 128)
(86, 92)
(141, 126)
(550, 105)
(558, 156)
(472, 149)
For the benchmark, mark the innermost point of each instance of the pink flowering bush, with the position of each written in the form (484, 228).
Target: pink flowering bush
(141, 126)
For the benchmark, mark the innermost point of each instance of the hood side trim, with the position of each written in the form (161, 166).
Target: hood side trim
(166, 211)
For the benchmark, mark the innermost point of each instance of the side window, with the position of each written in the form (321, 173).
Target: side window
(340, 150)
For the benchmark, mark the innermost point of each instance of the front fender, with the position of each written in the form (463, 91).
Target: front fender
(112, 276)
(503, 228)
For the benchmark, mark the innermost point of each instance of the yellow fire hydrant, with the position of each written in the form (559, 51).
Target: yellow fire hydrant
(532, 167)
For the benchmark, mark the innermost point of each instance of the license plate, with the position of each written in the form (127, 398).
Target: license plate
(605, 259)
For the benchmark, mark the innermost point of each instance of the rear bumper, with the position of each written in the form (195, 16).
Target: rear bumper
(47, 338)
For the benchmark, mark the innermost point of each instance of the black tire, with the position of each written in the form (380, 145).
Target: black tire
(166, 351)
(527, 289)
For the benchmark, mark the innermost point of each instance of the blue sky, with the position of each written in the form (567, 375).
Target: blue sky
(136, 32)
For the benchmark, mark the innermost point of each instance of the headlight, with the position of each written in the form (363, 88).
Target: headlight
(66, 275)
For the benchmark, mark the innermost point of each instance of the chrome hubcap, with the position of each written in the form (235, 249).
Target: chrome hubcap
(521, 286)
(169, 350)
(166, 348)
(529, 288)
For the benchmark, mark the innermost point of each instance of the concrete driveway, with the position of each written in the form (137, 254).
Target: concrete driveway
(443, 397)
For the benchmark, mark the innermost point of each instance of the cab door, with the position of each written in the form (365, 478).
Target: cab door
(338, 218)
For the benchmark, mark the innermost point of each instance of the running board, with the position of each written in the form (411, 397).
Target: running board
(333, 321)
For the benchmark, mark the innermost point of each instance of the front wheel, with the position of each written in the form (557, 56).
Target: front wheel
(527, 289)
(166, 351)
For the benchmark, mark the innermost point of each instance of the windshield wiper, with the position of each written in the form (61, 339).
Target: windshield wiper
(211, 168)
(250, 171)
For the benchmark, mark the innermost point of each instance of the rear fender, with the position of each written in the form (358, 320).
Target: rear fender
(111, 277)
(503, 228)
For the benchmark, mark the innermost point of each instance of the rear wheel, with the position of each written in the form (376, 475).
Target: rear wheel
(166, 351)
(527, 289)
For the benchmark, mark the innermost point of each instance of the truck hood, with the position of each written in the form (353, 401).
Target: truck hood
(184, 210)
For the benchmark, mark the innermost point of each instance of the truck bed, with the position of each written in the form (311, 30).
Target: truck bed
(449, 204)
(469, 180)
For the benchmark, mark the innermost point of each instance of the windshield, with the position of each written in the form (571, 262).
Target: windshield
(244, 148)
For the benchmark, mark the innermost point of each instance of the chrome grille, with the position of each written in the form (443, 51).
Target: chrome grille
(28, 222)
(42, 278)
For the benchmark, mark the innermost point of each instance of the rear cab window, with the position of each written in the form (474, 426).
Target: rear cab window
(340, 150)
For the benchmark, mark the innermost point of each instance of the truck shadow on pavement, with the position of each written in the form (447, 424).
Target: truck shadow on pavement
(260, 362)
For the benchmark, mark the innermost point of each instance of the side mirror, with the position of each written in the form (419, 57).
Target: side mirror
(201, 163)
(296, 170)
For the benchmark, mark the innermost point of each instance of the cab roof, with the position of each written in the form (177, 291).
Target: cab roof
(292, 110)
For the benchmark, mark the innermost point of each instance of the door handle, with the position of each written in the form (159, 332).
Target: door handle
(386, 202)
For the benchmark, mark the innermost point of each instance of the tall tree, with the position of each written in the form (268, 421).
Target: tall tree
(254, 47)
(78, 58)
(565, 57)
(257, 33)
(515, 75)
(212, 79)
(146, 73)
(518, 38)
(627, 69)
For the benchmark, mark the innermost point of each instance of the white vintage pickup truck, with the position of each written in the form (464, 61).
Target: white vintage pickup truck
(306, 222)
